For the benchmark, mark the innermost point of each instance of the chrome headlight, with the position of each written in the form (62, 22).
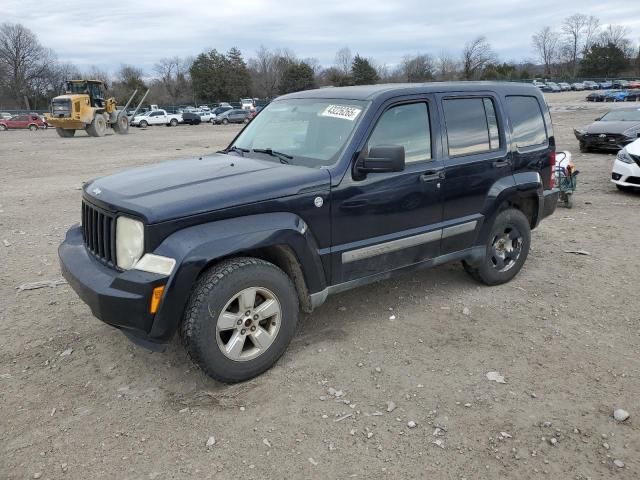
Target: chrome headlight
(632, 132)
(624, 156)
(579, 131)
(129, 242)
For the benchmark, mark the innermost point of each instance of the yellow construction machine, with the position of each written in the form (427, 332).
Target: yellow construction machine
(83, 107)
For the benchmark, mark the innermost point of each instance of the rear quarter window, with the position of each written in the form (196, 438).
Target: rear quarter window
(527, 121)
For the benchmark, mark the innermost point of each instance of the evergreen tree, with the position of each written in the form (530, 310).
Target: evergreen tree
(237, 78)
(604, 61)
(298, 76)
(208, 76)
(363, 72)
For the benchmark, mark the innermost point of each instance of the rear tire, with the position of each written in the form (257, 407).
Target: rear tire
(122, 125)
(98, 127)
(506, 249)
(64, 133)
(225, 121)
(229, 302)
(173, 122)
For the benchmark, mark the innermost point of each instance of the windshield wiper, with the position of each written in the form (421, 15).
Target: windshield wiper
(284, 158)
(242, 151)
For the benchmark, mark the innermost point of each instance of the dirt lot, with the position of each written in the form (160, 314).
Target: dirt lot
(564, 334)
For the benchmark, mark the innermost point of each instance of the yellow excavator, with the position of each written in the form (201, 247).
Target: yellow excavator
(83, 107)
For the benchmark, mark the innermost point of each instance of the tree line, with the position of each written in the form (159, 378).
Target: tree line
(581, 46)
(31, 74)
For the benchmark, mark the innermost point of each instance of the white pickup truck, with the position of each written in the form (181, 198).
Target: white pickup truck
(156, 117)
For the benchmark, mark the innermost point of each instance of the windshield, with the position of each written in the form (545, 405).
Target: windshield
(622, 116)
(311, 132)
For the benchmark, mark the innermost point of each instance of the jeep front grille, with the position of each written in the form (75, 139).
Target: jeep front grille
(99, 233)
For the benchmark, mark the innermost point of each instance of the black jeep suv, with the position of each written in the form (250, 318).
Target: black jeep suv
(324, 191)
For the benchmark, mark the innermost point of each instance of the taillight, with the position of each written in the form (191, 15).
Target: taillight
(552, 162)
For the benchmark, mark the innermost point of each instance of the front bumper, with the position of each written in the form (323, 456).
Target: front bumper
(66, 123)
(606, 142)
(118, 298)
(625, 174)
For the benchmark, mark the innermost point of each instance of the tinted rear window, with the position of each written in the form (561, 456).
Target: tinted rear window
(471, 126)
(527, 121)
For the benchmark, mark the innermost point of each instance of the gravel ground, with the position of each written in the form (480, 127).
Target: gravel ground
(387, 381)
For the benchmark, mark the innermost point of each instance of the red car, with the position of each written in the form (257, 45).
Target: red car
(634, 83)
(30, 121)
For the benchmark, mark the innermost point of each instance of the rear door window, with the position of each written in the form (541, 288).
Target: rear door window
(527, 121)
(472, 126)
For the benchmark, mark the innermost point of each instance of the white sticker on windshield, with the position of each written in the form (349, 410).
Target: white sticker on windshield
(345, 112)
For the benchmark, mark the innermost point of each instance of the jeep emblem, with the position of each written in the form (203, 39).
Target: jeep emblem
(318, 202)
(96, 191)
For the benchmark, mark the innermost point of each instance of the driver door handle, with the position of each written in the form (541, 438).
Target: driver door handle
(431, 175)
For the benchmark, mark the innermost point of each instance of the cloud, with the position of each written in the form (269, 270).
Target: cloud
(144, 31)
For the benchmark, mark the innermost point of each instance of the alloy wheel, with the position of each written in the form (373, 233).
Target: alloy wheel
(506, 248)
(248, 324)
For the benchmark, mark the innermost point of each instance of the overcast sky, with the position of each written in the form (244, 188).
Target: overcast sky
(139, 33)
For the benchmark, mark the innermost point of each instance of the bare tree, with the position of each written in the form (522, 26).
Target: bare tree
(446, 67)
(591, 32)
(23, 60)
(343, 61)
(267, 70)
(475, 56)
(616, 35)
(574, 28)
(96, 73)
(545, 42)
(173, 74)
(264, 72)
(418, 68)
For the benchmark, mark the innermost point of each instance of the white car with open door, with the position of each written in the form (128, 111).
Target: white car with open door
(626, 167)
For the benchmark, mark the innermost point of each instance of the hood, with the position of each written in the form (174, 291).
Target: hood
(181, 188)
(611, 127)
(634, 147)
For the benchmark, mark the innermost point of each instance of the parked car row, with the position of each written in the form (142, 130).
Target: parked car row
(220, 115)
(586, 85)
(615, 96)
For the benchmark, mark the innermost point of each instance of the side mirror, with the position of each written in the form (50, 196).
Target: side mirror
(382, 158)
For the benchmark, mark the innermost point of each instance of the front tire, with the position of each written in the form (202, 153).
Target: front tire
(240, 318)
(143, 124)
(65, 133)
(506, 249)
(225, 121)
(33, 128)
